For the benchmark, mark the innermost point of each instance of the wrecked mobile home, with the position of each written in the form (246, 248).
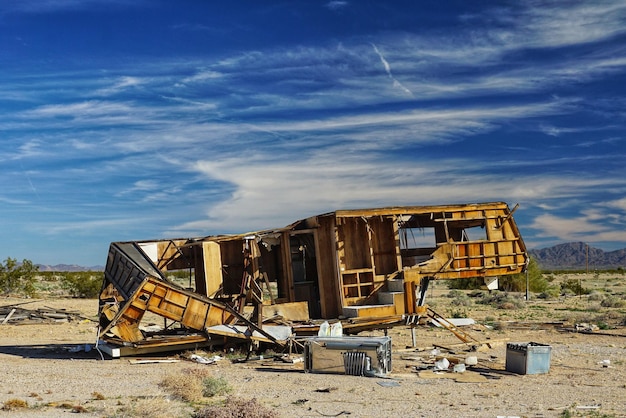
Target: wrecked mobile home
(369, 267)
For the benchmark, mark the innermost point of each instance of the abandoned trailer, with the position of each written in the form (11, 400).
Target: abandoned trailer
(369, 267)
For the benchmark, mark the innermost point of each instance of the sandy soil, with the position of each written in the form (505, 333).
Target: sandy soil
(38, 367)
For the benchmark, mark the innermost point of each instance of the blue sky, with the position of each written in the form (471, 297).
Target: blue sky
(131, 120)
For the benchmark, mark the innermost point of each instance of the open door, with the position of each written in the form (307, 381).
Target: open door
(304, 270)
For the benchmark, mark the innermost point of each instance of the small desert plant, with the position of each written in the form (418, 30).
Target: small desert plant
(98, 396)
(157, 407)
(459, 313)
(236, 408)
(575, 287)
(501, 301)
(552, 292)
(214, 386)
(459, 298)
(595, 296)
(613, 302)
(454, 293)
(14, 404)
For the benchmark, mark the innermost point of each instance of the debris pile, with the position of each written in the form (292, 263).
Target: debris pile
(15, 314)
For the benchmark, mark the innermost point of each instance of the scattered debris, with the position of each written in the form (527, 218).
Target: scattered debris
(204, 360)
(588, 407)
(528, 358)
(14, 314)
(388, 383)
(86, 348)
(459, 368)
(442, 364)
(356, 356)
(153, 360)
(334, 415)
(586, 327)
(326, 390)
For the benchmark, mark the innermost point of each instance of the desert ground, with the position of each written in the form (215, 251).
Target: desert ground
(45, 366)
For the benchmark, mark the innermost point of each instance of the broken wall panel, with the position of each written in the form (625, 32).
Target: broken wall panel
(144, 289)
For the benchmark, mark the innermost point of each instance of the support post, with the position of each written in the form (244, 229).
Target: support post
(423, 289)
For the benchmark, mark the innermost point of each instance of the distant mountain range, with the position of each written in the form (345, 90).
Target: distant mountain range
(568, 256)
(68, 267)
(578, 256)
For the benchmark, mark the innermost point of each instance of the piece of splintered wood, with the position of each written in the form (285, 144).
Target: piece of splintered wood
(6, 318)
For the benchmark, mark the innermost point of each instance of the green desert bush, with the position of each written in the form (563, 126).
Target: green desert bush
(501, 300)
(214, 386)
(82, 284)
(575, 287)
(17, 278)
(517, 282)
(459, 298)
(552, 292)
(613, 302)
(595, 296)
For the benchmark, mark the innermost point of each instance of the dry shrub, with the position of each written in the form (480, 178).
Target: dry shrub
(152, 408)
(98, 396)
(613, 302)
(79, 409)
(236, 408)
(502, 301)
(14, 405)
(188, 385)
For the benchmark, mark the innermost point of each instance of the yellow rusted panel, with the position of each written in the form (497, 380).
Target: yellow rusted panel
(176, 297)
(127, 331)
(212, 267)
(195, 314)
(376, 311)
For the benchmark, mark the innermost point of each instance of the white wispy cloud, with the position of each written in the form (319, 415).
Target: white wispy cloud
(119, 85)
(580, 228)
(387, 67)
(336, 5)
